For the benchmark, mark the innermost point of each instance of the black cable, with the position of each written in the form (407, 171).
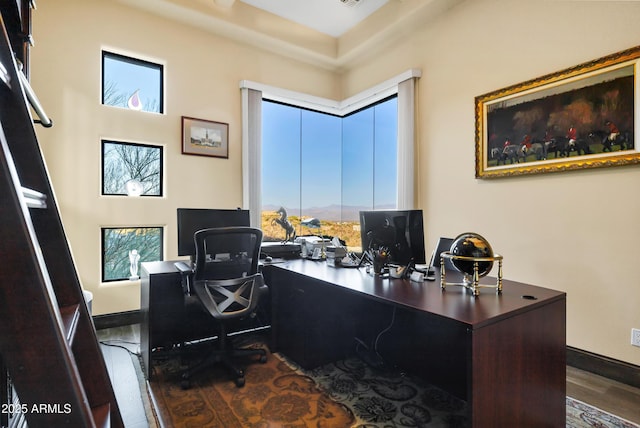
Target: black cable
(385, 330)
(137, 354)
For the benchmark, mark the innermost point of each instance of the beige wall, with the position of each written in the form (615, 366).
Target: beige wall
(570, 231)
(202, 80)
(573, 231)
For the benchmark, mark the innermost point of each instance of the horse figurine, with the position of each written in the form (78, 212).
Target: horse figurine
(283, 221)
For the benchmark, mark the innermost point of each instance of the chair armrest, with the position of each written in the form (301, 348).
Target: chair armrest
(187, 273)
(183, 267)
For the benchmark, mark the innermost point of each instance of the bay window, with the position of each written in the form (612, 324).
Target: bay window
(324, 161)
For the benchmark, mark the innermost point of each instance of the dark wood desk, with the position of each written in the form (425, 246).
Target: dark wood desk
(504, 354)
(165, 320)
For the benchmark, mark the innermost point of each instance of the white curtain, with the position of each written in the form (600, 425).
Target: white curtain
(406, 140)
(252, 154)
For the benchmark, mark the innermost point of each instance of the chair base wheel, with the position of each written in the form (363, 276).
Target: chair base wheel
(224, 358)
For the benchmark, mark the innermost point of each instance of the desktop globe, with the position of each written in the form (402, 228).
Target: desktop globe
(472, 255)
(474, 246)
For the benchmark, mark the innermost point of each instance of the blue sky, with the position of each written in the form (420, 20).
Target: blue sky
(130, 77)
(312, 159)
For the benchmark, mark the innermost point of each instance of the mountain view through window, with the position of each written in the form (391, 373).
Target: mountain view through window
(324, 169)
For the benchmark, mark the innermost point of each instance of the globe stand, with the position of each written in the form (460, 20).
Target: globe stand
(471, 281)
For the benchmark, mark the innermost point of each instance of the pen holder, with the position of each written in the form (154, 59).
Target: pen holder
(380, 259)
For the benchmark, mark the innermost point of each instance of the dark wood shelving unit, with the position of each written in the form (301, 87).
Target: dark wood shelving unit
(54, 374)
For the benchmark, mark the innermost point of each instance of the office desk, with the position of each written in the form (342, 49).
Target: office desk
(504, 354)
(165, 320)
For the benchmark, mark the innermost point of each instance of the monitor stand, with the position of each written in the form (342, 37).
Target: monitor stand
(284, 250)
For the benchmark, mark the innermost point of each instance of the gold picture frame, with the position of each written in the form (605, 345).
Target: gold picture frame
(562, 121)
(205, 138)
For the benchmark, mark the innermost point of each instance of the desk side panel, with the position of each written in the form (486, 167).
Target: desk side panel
(518, 369)
(312, 321)
(145, 334)
(430, 347)
(162, 307)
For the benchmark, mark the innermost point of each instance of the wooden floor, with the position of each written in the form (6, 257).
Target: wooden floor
(614, 397)
(119, 345)
(611, 396)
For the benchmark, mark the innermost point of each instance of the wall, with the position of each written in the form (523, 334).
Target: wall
(202, 80)
(571, 231)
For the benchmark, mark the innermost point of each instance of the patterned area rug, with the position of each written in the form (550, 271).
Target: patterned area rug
(346, 394)
(383, 398)
(580, 415)
(274, 396)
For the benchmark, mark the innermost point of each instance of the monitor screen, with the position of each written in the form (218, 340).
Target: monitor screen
(191, 220)
(400, 231)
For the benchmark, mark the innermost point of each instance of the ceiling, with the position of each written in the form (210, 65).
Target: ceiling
(325, 33)
(331, 17)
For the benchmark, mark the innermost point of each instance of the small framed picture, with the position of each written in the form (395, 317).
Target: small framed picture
(205, 138)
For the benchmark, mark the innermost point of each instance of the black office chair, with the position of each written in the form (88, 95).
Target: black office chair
(228, 286)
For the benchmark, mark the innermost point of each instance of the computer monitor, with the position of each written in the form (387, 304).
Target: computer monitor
(444, 244)
(191, 220)
(400, 231)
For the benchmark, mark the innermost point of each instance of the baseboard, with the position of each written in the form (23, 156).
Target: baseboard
(604, 366)
(117, 319)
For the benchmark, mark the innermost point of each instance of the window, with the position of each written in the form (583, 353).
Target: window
(370, 145)
(117, 243)
(124, 164)
(131, 83)
(389, 182)
(326, 167)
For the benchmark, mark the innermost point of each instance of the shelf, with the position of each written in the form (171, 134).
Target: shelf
(102, 416)
(34, 199)
(70, 315)
(4, 75)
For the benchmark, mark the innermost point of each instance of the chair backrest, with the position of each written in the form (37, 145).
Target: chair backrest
(226, 252)
(230, 298)
(226, 277)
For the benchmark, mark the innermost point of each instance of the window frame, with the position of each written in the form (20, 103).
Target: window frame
(160, 148)
(403, 84)
(103, 229)
(134, 61)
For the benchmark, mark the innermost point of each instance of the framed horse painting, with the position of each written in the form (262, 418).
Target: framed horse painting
(582, 117)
